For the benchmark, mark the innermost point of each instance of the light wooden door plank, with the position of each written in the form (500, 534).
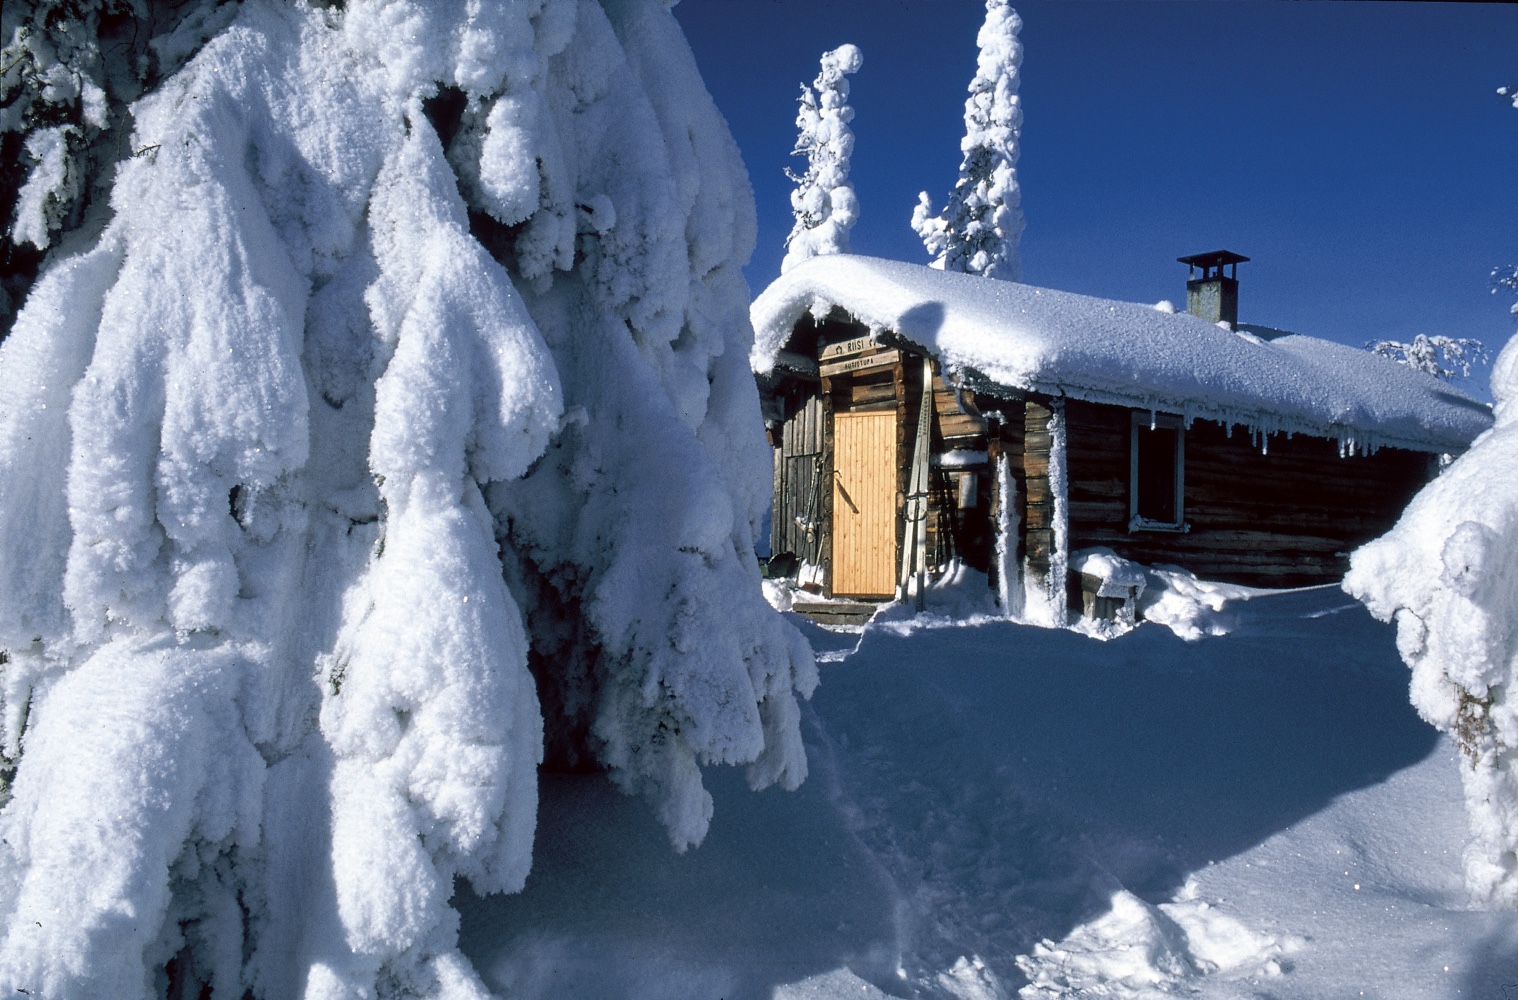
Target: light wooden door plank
(864, 504)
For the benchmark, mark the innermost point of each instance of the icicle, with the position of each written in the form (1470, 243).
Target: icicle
(1008, 521)
(1044, 598)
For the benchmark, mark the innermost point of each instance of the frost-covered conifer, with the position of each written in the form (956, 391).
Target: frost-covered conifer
(824, 202)
(395, 418)
(1441, 357)
(981, 225)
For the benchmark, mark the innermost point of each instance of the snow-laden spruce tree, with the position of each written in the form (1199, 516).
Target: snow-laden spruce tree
(824, 202)
(979, 229)
(400, 388)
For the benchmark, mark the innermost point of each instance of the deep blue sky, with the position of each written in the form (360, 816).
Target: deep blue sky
(1356, 152)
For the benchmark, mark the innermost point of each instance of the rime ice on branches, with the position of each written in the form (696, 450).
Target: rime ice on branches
(824, 202)
(397, 419)
(979, 229)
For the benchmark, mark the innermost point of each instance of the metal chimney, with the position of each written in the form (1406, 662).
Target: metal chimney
(1213, 296)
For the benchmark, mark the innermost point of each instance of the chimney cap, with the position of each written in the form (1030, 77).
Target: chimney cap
(1214, 258)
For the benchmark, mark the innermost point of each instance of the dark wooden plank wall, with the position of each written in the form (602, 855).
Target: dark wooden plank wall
(797, 512)
(1286, 518)
(953, 532)
(1038, 498)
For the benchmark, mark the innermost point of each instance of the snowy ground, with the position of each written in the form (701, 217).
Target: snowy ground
(1258, 814)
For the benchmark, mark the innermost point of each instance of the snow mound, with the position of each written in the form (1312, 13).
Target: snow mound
(1136, 950)
(1189, 607)
(398, 422)
(1039, 340)
(1446, 574)
(1165, 595)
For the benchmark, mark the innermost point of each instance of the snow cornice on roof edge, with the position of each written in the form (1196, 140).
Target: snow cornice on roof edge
(1005, 338)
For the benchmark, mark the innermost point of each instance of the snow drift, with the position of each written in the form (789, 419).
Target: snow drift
(405, 385)
(1447, 576)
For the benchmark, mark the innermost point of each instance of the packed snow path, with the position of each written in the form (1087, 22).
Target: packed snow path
(1254, 814)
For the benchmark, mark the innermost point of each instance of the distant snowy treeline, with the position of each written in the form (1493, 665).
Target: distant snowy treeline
(380, 417)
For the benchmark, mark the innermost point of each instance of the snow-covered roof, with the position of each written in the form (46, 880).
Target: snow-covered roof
(1002, 334)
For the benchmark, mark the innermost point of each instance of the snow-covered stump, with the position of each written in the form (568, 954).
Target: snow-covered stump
(1447, 574)
(269, 599)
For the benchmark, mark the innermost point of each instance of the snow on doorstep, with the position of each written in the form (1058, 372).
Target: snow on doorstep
(1127, 354)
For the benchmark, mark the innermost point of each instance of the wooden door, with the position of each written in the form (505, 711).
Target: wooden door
(864, 504)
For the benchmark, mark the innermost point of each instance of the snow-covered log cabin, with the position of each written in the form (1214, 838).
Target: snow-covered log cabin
(1058, 422)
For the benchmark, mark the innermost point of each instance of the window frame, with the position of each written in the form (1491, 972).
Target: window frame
(1141, 421)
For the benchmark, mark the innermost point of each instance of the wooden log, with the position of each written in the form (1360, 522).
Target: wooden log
(958, 425)
(872, 392)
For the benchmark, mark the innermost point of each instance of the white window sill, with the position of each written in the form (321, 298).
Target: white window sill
(1137, 524)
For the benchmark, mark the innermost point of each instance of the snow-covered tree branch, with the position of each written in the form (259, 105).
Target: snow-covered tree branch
(979, 229)
(64, 118)
(1441, 357)
(824, 202)
(395, 421)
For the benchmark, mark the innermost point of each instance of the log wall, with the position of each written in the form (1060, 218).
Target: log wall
(1287, 516)
(797, 510)
(1038, 497)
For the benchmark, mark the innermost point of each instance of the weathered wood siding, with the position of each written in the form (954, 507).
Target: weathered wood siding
(797, 506)
(1038, 498)
(956, 532)
(1284, 518)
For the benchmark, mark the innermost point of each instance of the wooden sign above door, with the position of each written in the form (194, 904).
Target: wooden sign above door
(844, 348)
(881, 360)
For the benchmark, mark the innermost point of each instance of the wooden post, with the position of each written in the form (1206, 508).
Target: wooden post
(914, 550)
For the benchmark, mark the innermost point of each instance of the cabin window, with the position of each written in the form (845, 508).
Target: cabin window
(1156, 473)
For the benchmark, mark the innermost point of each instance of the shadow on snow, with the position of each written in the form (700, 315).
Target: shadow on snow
(974, 789)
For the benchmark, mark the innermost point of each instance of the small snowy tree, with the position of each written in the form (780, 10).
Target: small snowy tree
(981, 225)
(1441, 357)
(824, 202)
(394, 423)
